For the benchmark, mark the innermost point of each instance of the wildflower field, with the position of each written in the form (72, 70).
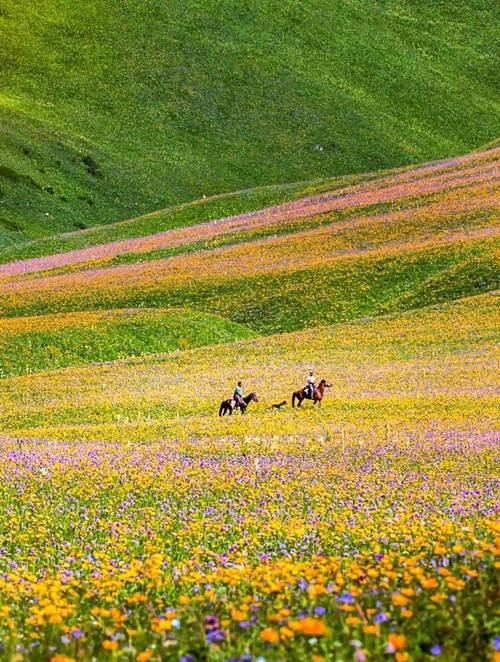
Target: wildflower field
(135, 524)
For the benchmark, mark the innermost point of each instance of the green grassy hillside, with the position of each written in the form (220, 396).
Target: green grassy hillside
(390, 243)
(31, 344)
(111, 110)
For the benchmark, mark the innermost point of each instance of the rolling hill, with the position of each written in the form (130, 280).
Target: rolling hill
(112, 110)
(427, 367)
(381, 244)
(197, 193)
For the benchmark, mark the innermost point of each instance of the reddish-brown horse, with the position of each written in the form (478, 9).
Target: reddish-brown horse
(318, 394)
(229, 405)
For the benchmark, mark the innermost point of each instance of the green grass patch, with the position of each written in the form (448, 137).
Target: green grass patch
(33, 344)
(108, 112)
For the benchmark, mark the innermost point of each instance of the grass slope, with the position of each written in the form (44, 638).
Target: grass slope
(180, 216)
(427, 367)
(111, 110)
(31, 344)
(405, 240)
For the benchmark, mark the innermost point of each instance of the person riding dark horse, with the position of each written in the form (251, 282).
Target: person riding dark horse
(238, 396)
(229, 405)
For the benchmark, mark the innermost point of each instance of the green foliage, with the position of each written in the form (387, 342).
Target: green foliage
(60, 341)
(184, 215)
(110, 110)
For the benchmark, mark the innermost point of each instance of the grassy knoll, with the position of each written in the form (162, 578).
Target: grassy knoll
(403, 239)
(184, 215)
(30, 344)
(109, 111)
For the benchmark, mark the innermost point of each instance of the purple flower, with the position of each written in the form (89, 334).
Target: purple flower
(214, 636)
(244, 624)
(346, 599)
(65, 639)
(360, 656)
(496, 643)
(303, 584)
(211, 623)
(436, 650)
(380, 618)
(77, 634)
(319, 611)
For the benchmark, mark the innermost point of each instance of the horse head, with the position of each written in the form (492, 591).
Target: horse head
(254, 396)
(325, 384)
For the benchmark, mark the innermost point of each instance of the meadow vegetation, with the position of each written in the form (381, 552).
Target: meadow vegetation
(112, 111)
(138, 525)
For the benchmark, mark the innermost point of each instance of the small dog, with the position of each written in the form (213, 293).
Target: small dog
(279, 405)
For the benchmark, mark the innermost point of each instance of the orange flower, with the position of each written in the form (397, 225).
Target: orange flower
(352, 620)
(144, 656)
(62, 658)
(398, 641)
(270, 635)
(312, 626)
(110, 645)
(371, 629)
(238, 615)
(399, 600)
(402, 657)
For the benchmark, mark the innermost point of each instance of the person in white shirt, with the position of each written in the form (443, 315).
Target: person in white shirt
(311, 385)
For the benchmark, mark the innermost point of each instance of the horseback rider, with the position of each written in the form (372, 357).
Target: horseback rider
(310, 386)
(238, 396)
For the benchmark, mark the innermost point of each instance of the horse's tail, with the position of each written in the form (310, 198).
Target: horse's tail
(221, 408)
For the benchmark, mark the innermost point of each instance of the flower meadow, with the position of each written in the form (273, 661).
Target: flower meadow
(300, 550)
(138, 525)
(135, 524)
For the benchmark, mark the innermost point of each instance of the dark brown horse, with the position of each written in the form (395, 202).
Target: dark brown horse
(318, 394)
(229, 405)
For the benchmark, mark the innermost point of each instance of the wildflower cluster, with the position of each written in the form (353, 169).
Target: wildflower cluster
(341, 550)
